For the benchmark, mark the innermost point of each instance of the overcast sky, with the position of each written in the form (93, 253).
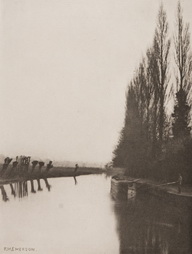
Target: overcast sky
(65, 67)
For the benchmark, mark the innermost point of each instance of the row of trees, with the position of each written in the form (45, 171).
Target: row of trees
(154, 139)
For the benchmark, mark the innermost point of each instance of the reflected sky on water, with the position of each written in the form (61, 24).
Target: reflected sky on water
(67, 215)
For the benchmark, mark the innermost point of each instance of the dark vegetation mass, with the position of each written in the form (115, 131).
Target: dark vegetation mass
(155, 141)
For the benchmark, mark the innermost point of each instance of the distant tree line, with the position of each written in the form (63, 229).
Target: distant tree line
(155, 142)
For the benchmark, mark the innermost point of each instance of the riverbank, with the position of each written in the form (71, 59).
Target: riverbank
(166, 192)
(170, 187)
(54, 172)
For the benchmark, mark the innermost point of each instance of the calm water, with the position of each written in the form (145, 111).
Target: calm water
(80, 217)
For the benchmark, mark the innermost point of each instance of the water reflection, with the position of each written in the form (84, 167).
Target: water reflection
(20, 189)
(4, 194)
(141, 225)
(48, 186)
(75, 179)
(12, 190)
(148, 226)
(39, 185)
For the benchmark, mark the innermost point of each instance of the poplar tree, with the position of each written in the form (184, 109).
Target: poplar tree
(183, 60)
(161, 49)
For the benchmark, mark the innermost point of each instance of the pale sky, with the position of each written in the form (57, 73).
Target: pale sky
(64, 69)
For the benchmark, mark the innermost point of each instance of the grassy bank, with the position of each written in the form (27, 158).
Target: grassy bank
(10, 176)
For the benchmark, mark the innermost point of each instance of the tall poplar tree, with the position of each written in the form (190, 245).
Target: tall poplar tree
(162, 47)
(183, 60)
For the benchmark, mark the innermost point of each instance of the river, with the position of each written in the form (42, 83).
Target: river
(78, 216)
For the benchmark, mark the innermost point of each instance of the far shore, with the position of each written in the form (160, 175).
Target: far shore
(54, 172)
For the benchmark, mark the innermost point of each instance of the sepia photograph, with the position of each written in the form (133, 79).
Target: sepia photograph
(96, 126)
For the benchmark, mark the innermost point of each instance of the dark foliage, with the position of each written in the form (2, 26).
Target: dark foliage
(181, 115)
(146, 147)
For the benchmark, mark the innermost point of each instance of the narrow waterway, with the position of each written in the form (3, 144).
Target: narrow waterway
(78, 216)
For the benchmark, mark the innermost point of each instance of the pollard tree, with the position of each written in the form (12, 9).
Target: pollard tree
(183, 60)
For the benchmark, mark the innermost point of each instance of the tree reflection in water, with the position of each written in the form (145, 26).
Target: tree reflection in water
(48, 186)
(20, 189)
(12, 190)
(39, 185)
(4, 194)
(75, 180)
(148, 226)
